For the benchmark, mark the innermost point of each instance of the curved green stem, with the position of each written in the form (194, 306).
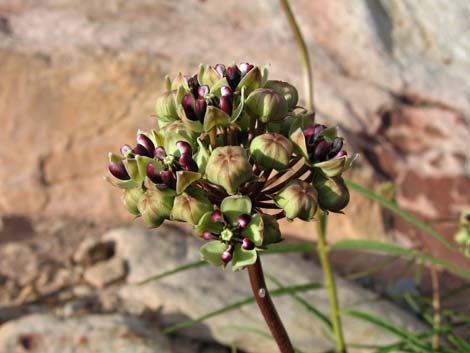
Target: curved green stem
(330, 284)
(307, 71)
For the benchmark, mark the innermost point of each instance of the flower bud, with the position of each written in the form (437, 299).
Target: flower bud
(335, 147)
(168, 179)
(226, 104)
(245, 68)
(206, 235)
(153, 174)
(188, 107)
(247, 244)
(220, 69)
(118, 170)
(159, 153)
(243, 220)
(297, 199)
(190, 206)
(184, 147)
(226, 257)
(333, 195)
(155, 206)
(233, 76)
(193, 84)
(266, 105)
(131, 198)
(141, 151)
(187, 162)
(271, 151)
(217, 216)
(165, 107)
(285, 89)
(200, 107)
(203, 90)
(228, 167)
(226, 91)
(125, 150)
(146, 142)
(321, 151)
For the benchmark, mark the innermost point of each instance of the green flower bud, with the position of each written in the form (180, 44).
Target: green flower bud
(333, 195)
(266, 105)
(228, 167)
(271, 151)
(165, 107)
(174, 132)
(131, 198)
(191, 206)
(155, 206)
(297, 199)
(285, 89)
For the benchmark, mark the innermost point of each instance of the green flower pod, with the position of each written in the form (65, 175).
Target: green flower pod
(266, 105)
(263, 230)
(271, 151)
(228, 167)
(333, 194)
(174, 132)
(130, 198)
(298, 199)
(234, 206)
(155, 206)
(288, 91)
(165, 107)
(190, 206)
(208, 76)
(179, 81)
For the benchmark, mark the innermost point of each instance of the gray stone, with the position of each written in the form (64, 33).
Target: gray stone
(19, 262)
(105, 272)
(46, 333)
(193, 293)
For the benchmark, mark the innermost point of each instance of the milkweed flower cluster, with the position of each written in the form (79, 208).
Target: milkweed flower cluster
(233, 153)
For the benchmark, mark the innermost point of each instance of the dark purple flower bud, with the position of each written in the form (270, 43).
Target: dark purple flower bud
(187, 162)
(247, 244)
(220, 68)
(321, 151)
(233, 75)
(206, 235)
(243, 220)
(125, 149)
(141, 151)
(154, 174)
(203, 90)
(217, 216)
(226, 91)
(168, 179)
(226, 104)
(184, 147)
(226, 257)
(146, 142)
(159, 153)
(245, 68)
(200, 109)
(118, 170)
(318, 128)
(335, 147)
(193, 84)
(188, 106)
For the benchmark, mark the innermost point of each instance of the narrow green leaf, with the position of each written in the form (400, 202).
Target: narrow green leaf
(360, 244)
(282, 248)
(392, 206)
(185, 267)
(240, 303)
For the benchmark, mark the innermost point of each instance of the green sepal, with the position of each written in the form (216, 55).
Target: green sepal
(333, 167)
(128, 184)
(251, 81)
(350, 161)
(234, 206)
(205, 223)
(155, 206)
(175, 132)
(193, 125)
(329, 134)
(142, 162)
(130, 198)
(179, 80)
(264, 75)
(133, 169)
(215, 117)
(167, 83)
(202, 156)
(156, 137)
(114, 158)
(190, 206)
(254, 230)
(215, 89)
(180, 93)
(238, 110)
(208, 76)
(184, 179)
(298, 139)
(165, 107)
(211, 252)
(271, 231)
(243, 258)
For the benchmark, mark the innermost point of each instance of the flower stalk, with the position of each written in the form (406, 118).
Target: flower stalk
(266, 306)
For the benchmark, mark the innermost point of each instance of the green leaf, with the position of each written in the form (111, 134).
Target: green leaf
(388, 326)
(360, 244)
(392, 206)
(211, 252)
(184, 179)
(205, 223)
(243, 258)
(239, 304)
(215, 117)
(234, 206)
(298, 138)
(179, 269)
(255, 229)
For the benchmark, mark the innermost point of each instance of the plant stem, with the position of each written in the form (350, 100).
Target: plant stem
(213, 137)
(307, 71)
(330, 283)
(436, 305)
(266, 306)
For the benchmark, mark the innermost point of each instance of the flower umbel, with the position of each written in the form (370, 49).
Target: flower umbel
(232, 153)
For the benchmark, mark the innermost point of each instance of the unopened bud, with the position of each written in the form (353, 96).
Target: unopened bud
(233, 76)
(153, 174)
(297, 199)
(321, 151)
(188, 107)
(184, 147)
(200, 108)
(125, 150)
(226, 104)
(245, 68)
(206, 235)
(271, 151)
(333, 195)
(141, 151)
(220, 68)
(168, 179)
(118, 170)
(243, 220)
(187, 162)
(226, 91)
(226, 257)
(146, 142)
(203, 90)
(159, 153)
(217, 216)
(247, 244)
(266, 105)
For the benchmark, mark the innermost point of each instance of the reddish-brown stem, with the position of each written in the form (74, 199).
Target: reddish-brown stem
(296, 175)
(266, 306)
